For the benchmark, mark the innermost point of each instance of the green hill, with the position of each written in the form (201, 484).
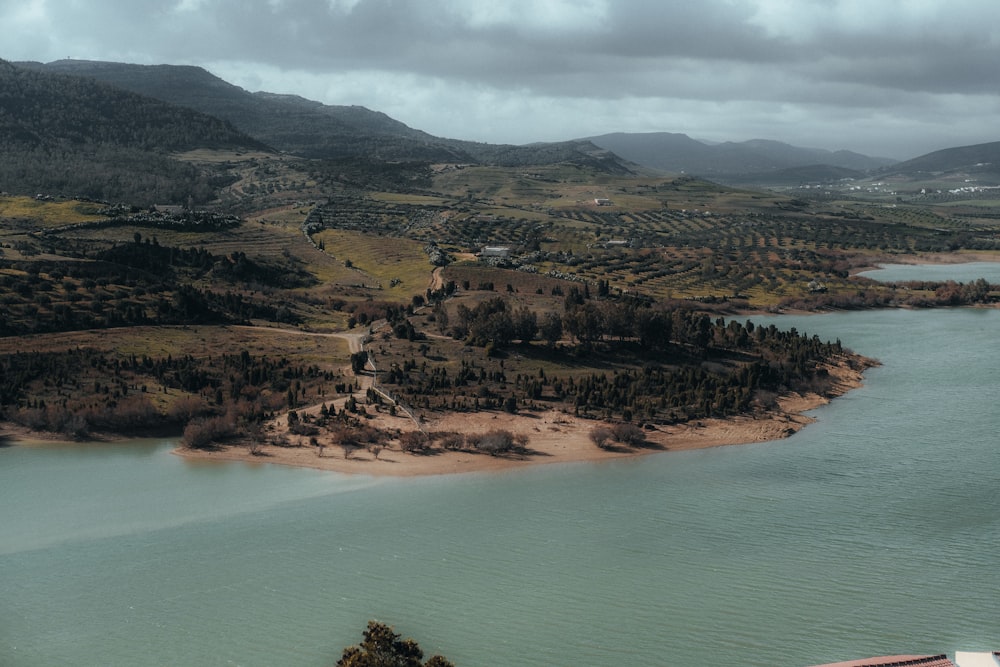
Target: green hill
(76, 136)
(978, 158)
(313, 130)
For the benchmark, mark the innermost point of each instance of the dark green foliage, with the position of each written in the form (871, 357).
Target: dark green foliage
(669, 364)
(489, 323)
(90, 390)
(382, 647)
(310, 129)
(74, 136)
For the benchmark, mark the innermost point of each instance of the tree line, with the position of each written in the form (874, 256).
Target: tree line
(76, 392)
(672, 363)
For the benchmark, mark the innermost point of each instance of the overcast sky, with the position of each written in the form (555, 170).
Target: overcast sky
(894, 78)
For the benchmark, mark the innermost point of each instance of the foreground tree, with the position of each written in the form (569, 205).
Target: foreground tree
(381, 647)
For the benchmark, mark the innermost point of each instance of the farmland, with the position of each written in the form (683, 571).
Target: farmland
(588, 267)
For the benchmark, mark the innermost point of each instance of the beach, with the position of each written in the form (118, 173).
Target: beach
(553, 437)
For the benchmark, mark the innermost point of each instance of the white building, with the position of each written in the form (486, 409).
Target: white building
(976, 659)
(500, 251)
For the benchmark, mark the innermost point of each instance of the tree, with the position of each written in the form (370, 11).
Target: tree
(552, 328)
(381, 647)
(525, 324)
(358, 362)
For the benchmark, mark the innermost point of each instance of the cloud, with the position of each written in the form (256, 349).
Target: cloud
(514, 70)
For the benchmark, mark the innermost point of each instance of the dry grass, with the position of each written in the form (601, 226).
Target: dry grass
(46, 214)
(382, 260)
(198, 341)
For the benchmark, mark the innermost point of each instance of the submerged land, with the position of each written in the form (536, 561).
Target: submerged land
(428, 314)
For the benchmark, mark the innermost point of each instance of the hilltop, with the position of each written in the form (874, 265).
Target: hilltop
(978, 159)
(746, 161)
(78, 136)
(577, 285)
(310, 129)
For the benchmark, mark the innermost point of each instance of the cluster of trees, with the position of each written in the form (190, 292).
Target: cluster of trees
(381, 646)
(673, 363)
(136, 284)
(78, 137)
(31, 310)
(494, 322)
(625, 433)
(914, 294)
(496, 442)
(83, 390)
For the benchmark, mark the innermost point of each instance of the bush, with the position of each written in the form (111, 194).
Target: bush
(628, 434)
(601, 436)
(205, 433)
(495, 442)
(452, 441)
(413, 441)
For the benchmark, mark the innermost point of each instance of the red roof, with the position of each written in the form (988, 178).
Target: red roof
(897, 661)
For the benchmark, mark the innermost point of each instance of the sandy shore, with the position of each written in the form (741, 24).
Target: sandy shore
(553, 437)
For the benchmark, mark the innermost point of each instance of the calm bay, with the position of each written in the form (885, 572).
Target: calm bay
(875, 530)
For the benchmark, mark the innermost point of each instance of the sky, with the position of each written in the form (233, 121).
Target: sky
(888, 78)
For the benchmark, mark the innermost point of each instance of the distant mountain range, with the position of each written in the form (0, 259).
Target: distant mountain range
(746, 160)
(975, 159)
(76, 136)
(107, 129)
(293, 124)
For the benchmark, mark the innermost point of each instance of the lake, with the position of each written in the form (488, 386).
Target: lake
(963, 273)
(874, 531)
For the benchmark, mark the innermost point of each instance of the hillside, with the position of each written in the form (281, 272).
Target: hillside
(795, 176)
(78, 136)
(311, 129)
(674, 153)
(978, 158)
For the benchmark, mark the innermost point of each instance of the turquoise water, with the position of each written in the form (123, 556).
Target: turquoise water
(875, 530)
(963, 273)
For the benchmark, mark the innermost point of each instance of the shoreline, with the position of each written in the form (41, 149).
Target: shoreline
(554, 437)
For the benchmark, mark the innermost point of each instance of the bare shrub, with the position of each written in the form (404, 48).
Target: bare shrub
(601, 436)
(628, 434)
(205, 433)
(496, 442)
(450, 440)
(300, 428)
(184, 409)
(413, 441)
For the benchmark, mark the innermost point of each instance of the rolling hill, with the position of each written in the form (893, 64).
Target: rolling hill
(978, 158)
(311, 129)
(81, 137)
(728, 161)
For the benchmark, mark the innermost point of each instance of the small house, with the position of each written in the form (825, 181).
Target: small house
(503, 252)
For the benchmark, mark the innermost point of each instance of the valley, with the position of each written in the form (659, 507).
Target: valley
(571, 287)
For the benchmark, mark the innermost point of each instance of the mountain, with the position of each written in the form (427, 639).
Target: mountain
(679, 152)
(975, 159)
(81, 137)
(794, 176)
(39, 108)
(314, 130)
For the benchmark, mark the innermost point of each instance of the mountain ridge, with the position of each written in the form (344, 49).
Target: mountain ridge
(311, 129)
(675, 152)
(85, 138)
(983, 157)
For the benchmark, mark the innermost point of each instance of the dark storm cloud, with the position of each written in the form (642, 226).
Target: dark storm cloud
(515, 70)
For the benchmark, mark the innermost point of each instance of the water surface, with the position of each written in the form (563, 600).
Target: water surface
(962, 273)
(875, 530)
